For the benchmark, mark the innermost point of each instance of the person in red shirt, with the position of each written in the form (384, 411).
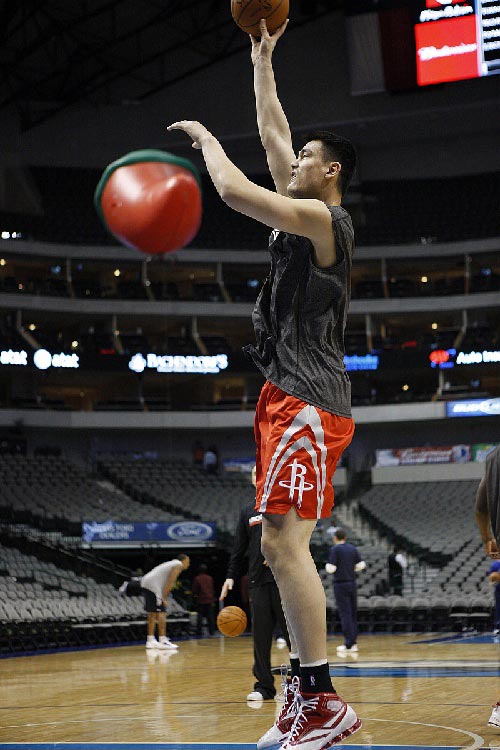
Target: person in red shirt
(204, 595)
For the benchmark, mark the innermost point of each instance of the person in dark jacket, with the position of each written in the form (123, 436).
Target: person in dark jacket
(344, 562)
(265, 602)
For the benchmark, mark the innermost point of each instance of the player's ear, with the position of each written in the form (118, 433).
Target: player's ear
(334, 168)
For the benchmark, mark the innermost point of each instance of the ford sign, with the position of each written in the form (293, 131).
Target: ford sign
(184, 530)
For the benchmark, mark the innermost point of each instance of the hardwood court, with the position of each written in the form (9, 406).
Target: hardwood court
(198, 695)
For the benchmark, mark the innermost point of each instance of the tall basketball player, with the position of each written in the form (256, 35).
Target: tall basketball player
(303, 419)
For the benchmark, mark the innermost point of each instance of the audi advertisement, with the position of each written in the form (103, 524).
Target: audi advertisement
(457, 40)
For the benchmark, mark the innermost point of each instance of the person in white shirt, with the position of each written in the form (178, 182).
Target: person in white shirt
(155, 587)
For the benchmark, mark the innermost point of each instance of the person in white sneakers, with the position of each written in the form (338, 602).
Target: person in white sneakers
(487, 515)
(155, 587)
(344, 563)
(303, 419)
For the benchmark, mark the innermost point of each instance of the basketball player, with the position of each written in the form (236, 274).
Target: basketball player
(155, 587)
(303, 419)
(487, 513)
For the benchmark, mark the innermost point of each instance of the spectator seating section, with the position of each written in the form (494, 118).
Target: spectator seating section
(186, 489)
(60, 495)
(396, 211)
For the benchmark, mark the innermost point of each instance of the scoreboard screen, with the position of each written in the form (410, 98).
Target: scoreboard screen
(457, 39)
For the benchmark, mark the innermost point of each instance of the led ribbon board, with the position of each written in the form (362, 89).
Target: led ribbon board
(457, 39)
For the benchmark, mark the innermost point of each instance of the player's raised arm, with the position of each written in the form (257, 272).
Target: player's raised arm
(307, 218)
(273, 126)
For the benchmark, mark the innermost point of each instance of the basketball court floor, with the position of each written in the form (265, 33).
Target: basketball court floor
(411, 691)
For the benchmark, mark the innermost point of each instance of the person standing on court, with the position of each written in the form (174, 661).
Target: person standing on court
(155, 587)
(204, 596)
(344, 562)
(303, 419)
(487, 515)
(265, 602)
(397, 564)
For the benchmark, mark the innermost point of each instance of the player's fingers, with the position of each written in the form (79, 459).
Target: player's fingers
(264, 33)
(281, 29)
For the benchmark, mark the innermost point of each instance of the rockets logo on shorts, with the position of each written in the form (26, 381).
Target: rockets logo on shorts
(297, 483)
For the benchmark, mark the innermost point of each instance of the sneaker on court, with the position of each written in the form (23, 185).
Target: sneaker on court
(344, 650)
(165, 643)
(494, 720)
(323, 720)
(153, 644)
(280, 730)
(255, 696)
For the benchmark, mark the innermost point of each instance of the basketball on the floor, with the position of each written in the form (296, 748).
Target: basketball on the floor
(150, 200)
(232, 621)
(247, 14)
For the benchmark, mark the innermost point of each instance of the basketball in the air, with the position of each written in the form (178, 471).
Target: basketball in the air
(247, 14)
(232, 621)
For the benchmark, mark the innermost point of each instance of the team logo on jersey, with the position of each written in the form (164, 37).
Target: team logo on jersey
(297, 481)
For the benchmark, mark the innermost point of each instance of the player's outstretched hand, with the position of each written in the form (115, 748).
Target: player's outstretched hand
(194, 130)
(264, 47)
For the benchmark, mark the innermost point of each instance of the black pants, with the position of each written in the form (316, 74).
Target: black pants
(396, 584)
(267, 613)
(205, 611)
(347, 606)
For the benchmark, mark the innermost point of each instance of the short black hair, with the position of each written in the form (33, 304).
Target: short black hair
(182, 556)
(337, 148)
(340, 534)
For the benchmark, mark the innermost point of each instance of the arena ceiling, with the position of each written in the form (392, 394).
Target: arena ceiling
(56, 53)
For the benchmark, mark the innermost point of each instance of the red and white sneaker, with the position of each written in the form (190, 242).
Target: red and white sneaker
(281, 728)
(323, 720)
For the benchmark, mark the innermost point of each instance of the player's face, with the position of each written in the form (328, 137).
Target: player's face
(308, 172)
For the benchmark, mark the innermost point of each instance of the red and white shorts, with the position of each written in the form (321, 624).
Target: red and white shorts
(298, 447)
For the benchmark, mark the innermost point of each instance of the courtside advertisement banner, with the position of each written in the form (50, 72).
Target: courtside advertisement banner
(456, 40)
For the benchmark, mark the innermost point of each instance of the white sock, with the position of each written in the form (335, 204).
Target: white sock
(151, 638)
(163, 639)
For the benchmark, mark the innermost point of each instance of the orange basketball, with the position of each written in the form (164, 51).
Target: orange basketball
(231, 621)
(247, 14)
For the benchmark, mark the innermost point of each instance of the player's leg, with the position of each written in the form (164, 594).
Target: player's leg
(285, 545)
(322, 718)
(165, 643)
(151, 641)
(150, 607)
(263, 623)
(280, 730)
(342, 601)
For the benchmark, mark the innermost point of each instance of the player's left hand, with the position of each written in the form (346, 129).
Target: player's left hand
(194, 129)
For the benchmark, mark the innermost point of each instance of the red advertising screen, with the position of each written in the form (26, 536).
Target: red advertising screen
(440, 3)
(447, 50)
